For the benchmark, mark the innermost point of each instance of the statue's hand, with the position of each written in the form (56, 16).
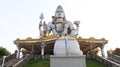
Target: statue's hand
(77, 23)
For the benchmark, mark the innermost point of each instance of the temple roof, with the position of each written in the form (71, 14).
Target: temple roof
(85, 43)
(51, 37)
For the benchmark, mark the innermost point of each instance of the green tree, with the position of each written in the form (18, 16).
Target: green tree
(3, 52)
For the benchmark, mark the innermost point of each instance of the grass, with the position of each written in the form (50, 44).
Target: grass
(38, 63)
(46, 63)
(94, 63)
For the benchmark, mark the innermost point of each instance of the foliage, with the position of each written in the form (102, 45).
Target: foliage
(3, 52)
(46, 63)
(116, 51)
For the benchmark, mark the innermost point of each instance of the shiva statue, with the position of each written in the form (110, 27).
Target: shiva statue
(66, 44)
(59, 25)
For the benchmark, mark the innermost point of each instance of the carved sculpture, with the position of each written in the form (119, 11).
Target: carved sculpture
(66, 44)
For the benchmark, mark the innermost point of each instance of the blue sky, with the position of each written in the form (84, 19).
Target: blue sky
(20, 19)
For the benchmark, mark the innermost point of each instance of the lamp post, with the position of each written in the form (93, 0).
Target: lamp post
(3, 61)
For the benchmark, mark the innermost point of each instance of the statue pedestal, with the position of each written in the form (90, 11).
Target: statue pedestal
(67, 61)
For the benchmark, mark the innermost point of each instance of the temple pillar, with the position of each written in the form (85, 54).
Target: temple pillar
(42, 49)
(102, 50)
(32, 49)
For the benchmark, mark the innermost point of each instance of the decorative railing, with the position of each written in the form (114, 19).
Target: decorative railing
(109, 63)
(115, 58)
(9, 57)
(1, 60)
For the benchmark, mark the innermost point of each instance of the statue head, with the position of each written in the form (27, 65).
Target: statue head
(59, 13)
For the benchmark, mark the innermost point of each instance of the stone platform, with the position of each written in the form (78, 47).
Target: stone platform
(67, 61)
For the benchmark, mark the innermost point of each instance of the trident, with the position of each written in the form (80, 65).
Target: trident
(40, 25)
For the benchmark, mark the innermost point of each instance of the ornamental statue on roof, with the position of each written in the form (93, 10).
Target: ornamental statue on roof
(59, 26)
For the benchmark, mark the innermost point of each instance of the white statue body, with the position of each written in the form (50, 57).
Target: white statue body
(65, 45)
(61, 29)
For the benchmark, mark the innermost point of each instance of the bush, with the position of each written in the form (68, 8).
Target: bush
(116, 51)
(3, 52)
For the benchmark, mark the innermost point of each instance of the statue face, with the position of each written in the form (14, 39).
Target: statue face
(59, 13)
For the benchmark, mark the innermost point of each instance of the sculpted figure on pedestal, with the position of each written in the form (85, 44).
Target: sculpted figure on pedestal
(64, 45)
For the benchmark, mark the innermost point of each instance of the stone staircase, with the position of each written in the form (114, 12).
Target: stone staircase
(11, 62)
(17, 62)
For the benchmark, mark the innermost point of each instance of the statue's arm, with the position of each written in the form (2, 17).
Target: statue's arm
(74, 32)
(77, 23)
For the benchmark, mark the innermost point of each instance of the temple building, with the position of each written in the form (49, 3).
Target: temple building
(44, 45)
(59, 42)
